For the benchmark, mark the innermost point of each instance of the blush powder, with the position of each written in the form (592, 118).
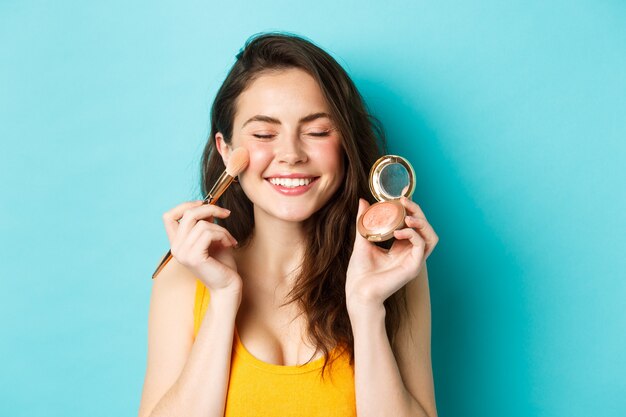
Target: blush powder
(382, 216)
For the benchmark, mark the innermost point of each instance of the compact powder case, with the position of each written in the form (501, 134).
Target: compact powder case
(391, 178)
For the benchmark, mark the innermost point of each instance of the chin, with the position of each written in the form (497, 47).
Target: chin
(296, 213)
(295, 216)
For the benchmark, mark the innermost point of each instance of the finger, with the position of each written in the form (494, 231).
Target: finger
(217, 227)
(209, 243)
(363, 205)
(416, 212)
(409, 245)
(171, 217)
(206, 243)
(425, 229)
(410, 235)
(198, 244)
(412, 207)
(358, 239)
(200, 227)
(204, 212)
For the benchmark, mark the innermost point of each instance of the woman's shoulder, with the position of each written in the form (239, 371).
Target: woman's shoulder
(173, 271)
(173, 290)
(171, 319)
(170, 330)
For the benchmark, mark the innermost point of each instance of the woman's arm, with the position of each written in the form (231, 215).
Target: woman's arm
(386, 386)
(184, 378)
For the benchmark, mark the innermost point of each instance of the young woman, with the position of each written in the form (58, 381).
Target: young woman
(272, 304)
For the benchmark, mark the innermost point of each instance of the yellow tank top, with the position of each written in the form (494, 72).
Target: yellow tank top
(258, 388)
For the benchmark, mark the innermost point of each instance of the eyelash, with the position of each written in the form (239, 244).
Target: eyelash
(320, 134)
(316, 134)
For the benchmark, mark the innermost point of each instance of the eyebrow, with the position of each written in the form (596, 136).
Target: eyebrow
(268, 119)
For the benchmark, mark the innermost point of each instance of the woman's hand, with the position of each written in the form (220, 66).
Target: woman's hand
(374, 273)
(202, 246)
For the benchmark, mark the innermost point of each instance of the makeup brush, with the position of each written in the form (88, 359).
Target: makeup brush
(237, 163)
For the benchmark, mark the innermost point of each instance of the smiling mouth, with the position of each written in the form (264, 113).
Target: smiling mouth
(292, 182)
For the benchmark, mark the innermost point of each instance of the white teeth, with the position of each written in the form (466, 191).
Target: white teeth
(291, 182)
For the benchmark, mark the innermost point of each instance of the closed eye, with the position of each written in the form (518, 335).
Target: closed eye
(263, 136)
(319, 134)
(316, 134)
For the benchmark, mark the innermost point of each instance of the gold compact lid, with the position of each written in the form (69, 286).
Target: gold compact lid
(391, 178)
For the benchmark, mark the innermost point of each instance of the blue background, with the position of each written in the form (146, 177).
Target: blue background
(513, 114)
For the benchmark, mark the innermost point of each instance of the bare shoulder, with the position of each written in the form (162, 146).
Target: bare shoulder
(412, 347)
(170, 331)
(174, 280)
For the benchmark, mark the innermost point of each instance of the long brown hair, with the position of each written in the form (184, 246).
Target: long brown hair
(320, 286)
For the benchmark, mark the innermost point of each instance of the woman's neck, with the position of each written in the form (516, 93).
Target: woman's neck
(274, 251)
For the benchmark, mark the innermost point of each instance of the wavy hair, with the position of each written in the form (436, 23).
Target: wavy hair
(320, 285)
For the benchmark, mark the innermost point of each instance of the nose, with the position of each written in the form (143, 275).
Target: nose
(290, 150)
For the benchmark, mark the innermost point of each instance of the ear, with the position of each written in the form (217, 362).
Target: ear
(222, 147)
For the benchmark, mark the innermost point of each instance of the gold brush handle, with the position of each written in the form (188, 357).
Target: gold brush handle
(164, 262)
(218, 189)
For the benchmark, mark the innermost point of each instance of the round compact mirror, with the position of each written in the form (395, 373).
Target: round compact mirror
(391, 178)
(394, 180)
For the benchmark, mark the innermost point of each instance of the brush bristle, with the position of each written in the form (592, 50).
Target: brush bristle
(238, 162)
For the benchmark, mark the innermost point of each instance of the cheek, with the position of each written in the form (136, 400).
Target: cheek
(260, 157)
(330, 154)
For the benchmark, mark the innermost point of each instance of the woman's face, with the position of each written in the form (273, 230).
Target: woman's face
(296, 161)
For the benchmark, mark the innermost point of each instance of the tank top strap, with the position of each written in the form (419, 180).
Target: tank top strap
(200, 305)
